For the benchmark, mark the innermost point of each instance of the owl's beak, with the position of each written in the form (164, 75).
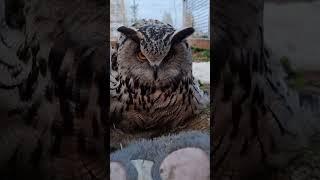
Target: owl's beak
(155, 72)
(155, 63)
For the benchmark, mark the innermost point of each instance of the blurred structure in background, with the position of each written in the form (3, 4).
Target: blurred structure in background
(180, 13)
(196, 14)
(117, 17)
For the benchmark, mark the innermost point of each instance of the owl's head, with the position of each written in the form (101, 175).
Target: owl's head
(154, 52)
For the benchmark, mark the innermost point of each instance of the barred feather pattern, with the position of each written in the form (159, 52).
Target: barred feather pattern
(139, 101)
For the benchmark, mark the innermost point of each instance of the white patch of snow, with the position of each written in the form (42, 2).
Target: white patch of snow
(201, 71)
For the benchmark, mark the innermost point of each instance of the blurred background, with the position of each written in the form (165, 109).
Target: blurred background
(291, 29)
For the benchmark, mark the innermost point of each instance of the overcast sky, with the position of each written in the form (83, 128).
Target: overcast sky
(151, 9)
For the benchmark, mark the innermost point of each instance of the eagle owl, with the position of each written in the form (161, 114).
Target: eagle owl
(151, 82)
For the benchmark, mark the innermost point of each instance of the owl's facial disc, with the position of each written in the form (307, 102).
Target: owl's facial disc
(155, 41)
(156, 45)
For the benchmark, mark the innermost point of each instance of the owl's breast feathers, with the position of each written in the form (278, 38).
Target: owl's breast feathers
(137, 105)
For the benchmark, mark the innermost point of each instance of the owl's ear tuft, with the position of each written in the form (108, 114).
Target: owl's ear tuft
(181, 35)
(130, 33)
